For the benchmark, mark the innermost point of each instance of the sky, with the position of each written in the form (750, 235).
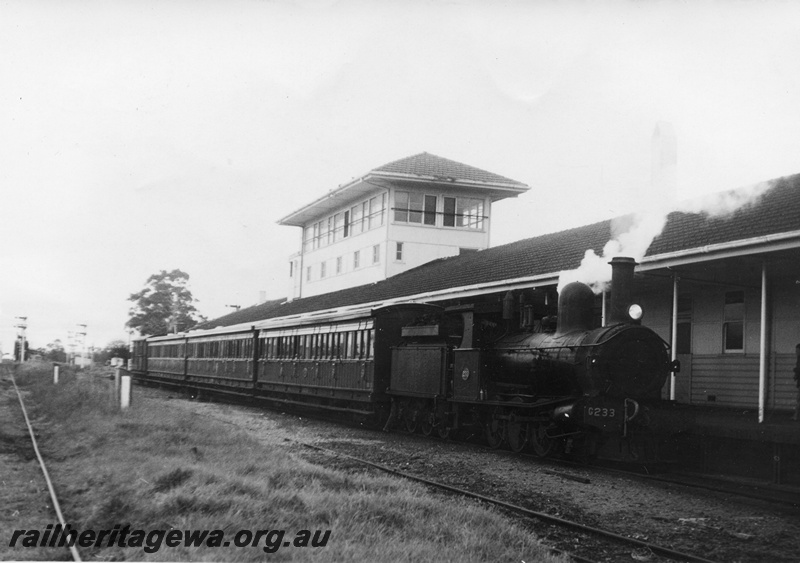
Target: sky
(140, 136)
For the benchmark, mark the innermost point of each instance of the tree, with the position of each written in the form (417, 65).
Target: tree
(114, 349)
(55, 351)
(164, 305)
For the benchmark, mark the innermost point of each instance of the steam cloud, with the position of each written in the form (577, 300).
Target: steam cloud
(631, 235)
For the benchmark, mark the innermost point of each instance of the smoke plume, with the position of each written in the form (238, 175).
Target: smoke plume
(631, 235)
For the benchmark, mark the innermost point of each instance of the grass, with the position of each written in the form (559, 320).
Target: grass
(157, 468)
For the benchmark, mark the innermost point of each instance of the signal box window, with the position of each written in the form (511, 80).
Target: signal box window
(464, 212)
(356, 259)
(399, 253)
(376, 254)
(733, 325)
(410, 207)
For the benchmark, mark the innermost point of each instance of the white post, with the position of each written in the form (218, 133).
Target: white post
(55, 374)
(125, 398)
(762, 362)
(116, 385)
(674, 351)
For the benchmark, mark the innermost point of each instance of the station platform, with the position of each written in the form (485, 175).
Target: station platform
(733, 443)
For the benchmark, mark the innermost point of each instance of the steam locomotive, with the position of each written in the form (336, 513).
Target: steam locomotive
(563, 387)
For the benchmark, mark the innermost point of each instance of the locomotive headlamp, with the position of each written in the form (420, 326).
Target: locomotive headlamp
(635, 312)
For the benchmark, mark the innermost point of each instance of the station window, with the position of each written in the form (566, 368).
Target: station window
(733, 325)
(376, 254)
(338, 226)
(356, 219)
(377, 209)
(684, 340)
(308, 273)
(322, 270)
(339, 265)
(359, 218)
(356, 259)
(398, 255)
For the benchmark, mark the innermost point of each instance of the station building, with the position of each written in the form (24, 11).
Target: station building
(723, 290)
(393, 218)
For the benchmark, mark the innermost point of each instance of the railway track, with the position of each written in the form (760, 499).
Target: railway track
(739, 529)
(8, 372)
(787, 498)
(616, 540)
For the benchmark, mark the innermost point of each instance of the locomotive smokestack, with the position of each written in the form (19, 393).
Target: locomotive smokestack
(621, 289)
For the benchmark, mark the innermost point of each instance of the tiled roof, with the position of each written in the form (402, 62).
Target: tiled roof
(777, 211)
(426, 164)
(424, 167)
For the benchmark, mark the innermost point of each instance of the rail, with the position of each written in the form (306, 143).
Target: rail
(655, 548)
(75, 555)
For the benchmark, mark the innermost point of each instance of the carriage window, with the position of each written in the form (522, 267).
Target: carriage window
(359, 344)
(733, 327)
(370, 343)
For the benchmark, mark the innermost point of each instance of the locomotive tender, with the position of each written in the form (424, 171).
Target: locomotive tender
(578, 388)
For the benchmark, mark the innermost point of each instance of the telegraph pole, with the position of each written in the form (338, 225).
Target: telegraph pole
(82, 336)
(22, 326)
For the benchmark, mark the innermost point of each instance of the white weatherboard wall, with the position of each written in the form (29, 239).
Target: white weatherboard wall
(731, 378)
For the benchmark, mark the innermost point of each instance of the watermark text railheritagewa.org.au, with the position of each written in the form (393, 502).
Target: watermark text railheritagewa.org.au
(153, 540)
